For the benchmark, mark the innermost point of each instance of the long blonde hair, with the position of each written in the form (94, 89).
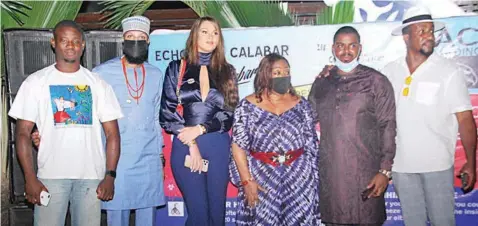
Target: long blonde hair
(223, 74)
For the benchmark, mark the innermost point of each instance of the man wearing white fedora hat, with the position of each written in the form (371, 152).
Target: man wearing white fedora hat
(433, 104)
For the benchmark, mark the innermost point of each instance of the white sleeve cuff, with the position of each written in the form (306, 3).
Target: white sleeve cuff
(18, 116)
(112, 117)
(462, 109)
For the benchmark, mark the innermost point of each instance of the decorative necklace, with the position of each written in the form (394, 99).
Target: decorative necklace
(139, 90)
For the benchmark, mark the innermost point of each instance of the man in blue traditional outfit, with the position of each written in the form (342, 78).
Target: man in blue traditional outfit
(138, 87)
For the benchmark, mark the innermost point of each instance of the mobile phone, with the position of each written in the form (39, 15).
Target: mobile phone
(464, 180)
(205, 163)
(366, 193)
(44, 198)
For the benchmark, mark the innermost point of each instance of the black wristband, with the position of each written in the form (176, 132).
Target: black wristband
(111, 173)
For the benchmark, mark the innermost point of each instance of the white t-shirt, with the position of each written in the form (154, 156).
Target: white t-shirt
(427, 127)
(68, 109)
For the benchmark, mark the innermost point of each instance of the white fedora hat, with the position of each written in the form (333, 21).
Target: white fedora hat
(417, 15)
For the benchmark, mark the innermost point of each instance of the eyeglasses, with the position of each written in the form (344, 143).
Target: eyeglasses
(406, 90)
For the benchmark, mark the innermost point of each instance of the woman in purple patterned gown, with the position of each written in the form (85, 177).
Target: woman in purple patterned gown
(275, 150)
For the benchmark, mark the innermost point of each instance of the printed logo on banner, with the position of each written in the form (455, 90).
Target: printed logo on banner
(458, 43)
(471, 77)
(176, 209)
(379, 10)
(245, 75)
(323, 47)
(168, 54)
(303, 90)
(258, 51)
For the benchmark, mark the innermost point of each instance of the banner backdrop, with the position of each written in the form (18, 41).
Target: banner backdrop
(308, 49)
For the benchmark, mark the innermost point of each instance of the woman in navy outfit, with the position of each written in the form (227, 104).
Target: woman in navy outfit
(207, 97)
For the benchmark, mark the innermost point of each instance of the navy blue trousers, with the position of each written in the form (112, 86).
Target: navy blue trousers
(204, 194)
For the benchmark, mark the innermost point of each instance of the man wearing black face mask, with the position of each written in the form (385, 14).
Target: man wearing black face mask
(138, 86)
(356, 111)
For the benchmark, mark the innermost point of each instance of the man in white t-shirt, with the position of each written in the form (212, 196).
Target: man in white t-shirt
(433, 105)
(72, 165)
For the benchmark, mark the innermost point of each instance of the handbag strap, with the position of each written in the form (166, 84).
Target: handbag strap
(182, 69)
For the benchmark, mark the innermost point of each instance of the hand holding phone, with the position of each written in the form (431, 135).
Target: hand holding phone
(366, 193)
(44, 198)
(205, 163)
(464, 180)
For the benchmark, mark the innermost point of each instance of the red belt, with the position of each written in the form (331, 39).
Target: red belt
(275, 159)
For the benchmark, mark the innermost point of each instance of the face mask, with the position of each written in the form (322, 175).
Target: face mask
(135, 51)
(346, 67)
(281, 85)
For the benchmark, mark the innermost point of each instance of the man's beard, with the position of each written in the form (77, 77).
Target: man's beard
(425, 53)
(136, 59)
(423, 50)
(69, 61)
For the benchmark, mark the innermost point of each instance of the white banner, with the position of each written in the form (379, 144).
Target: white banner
(308, 49)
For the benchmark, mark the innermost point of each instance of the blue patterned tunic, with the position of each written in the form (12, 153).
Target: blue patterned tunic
(292, 191)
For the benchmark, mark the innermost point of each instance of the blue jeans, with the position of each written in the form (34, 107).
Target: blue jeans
(204, 194)
(426, 194)
(85, 207)
(144, 217)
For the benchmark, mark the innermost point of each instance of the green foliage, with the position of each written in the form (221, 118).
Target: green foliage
(228, 13)
(37, 14)
(14, 10)
(244, 13)
(341, 13)
(231, 14)
(116, 11)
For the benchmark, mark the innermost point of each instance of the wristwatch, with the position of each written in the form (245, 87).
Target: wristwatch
(112, 173)
(386, 173)
(203, 129)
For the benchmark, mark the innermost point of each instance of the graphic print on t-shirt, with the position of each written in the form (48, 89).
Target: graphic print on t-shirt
(71, 105)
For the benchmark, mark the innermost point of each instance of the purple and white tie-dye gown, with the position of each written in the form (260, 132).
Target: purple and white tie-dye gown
(292, 191)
